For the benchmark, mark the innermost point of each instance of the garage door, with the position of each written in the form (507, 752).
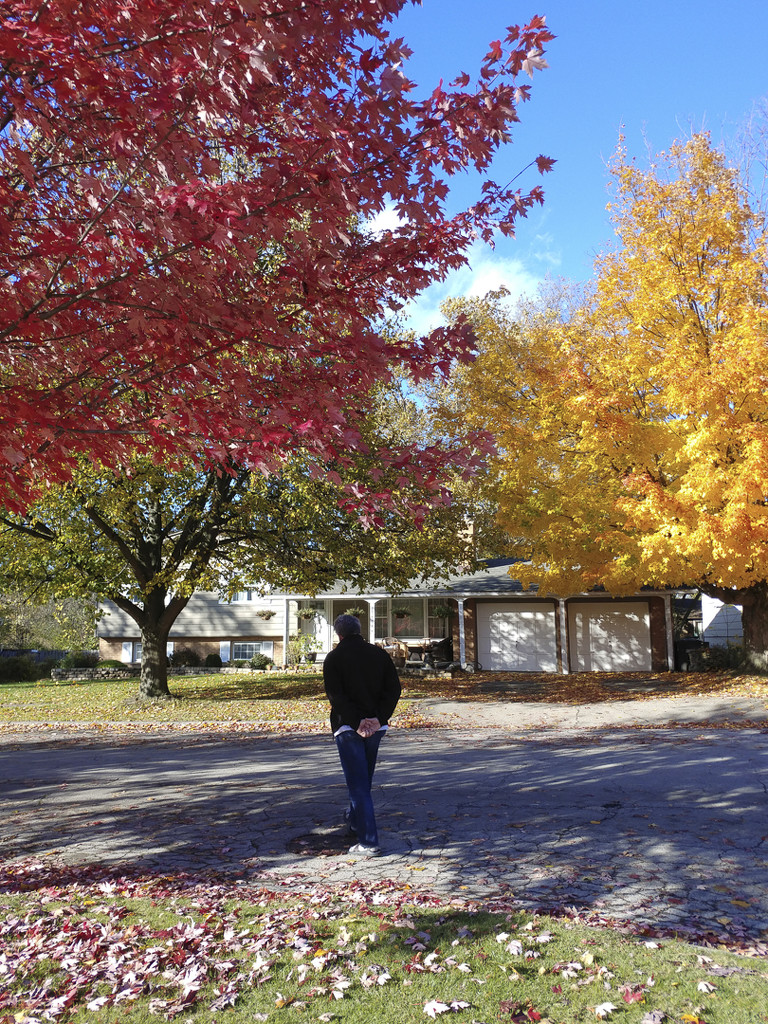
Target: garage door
(516, 637)
(610, 637)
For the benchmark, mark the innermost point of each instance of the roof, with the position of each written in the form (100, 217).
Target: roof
(494, 579)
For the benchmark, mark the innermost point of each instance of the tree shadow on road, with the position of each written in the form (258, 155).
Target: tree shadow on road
(658, 832)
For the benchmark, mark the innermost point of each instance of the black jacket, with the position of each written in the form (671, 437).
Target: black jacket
(361, 681)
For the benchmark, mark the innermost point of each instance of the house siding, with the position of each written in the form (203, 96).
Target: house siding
(204, 616)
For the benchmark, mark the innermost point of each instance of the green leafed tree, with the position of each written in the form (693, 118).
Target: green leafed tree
(147, 538)
(25, 622)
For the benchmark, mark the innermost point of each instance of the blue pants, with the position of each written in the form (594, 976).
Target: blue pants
(358, 760)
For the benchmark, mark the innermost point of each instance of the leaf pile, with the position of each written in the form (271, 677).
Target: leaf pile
(77, 942)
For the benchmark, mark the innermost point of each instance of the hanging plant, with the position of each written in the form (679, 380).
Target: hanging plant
(266, 613)
(307, 613)
(357, 612)
(442, 611)
(401, 613)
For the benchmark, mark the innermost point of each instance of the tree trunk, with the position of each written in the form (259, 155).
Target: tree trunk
(154, 662)
(754, 621)
(155, 619)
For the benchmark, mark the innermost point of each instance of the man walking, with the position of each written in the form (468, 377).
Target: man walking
(362, 684)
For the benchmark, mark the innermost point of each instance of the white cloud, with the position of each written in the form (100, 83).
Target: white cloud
(487, 271)
(386, 220)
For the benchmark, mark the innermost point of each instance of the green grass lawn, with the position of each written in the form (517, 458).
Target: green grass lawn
(205, 698)
(133, 950)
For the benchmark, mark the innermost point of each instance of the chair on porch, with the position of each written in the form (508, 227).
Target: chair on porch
(397, 649)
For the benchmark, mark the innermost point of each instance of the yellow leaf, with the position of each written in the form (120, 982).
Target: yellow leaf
(631, 418)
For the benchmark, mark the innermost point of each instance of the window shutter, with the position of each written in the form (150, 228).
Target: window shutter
(224, 651)
(127, 652)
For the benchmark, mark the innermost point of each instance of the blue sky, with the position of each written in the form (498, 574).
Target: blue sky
(655, 71)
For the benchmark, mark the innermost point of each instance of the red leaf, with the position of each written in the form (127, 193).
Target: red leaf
(545, 164)
(217, 247)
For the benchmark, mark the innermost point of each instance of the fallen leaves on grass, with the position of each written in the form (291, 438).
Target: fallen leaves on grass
(580, 688)
(435, 1007)
(87, 939)
(518, 1012)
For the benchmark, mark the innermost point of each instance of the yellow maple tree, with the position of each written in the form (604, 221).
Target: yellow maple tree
(632, 425)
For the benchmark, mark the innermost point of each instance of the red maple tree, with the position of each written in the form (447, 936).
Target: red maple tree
(183, 189)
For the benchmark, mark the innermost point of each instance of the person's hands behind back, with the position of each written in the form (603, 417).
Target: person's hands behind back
(368, 726)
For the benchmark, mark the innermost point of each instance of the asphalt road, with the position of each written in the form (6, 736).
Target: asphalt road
(663, 827)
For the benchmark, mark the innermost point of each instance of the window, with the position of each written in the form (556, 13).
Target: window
(415, 613)
(439, 626)
(251, 594)
(381, 626)
(132, 651)
(245, 650)
(408, 617)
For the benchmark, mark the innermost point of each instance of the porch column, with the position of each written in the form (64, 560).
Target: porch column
(286, 612)
(565, 656)
(670, 632)
(371, 602)
(327, 614)
(462, 635)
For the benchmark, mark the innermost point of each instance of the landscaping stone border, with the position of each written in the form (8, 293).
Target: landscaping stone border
(132, 672)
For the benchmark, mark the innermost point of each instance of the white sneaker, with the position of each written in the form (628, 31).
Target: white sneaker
(365, 851)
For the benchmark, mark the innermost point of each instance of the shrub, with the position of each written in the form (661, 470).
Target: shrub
(112, 663)
(185, 657)
(79, 659)
(260, 661)
(18, 670)
(213, 660)
(43, 669)
(717, 659)
(299, 646)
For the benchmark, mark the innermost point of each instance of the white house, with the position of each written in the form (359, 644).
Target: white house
(493, 624)
(720, 623)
